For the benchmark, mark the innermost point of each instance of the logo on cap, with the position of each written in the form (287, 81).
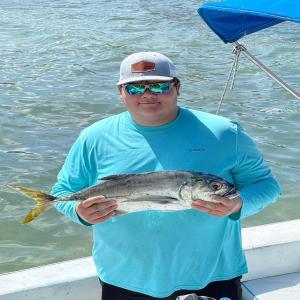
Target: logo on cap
(143, 66)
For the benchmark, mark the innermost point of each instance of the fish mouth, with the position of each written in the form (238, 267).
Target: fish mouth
(232, 193)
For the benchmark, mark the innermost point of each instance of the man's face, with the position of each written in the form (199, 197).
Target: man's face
(151, 109)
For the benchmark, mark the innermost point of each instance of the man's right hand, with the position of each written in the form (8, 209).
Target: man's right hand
(96, 209)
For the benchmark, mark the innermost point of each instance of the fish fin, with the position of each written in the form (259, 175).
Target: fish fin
(43, 201)
(153, 198)
(117, 177)
(119, 212)
(165, 200)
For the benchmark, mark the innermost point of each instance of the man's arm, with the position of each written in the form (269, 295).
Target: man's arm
(76, 174)
(253, 178)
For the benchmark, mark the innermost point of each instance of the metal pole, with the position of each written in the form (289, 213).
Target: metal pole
(266, 70)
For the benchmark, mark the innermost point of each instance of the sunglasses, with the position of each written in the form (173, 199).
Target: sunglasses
(154, 88)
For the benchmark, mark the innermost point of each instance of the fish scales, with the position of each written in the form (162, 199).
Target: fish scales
(135, 186)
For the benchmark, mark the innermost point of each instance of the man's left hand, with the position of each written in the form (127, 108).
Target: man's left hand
(221, 206)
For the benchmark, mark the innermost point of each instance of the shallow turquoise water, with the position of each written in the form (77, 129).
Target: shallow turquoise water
(59, 64)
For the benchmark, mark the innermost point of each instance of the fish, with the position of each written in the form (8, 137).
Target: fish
(161, 190)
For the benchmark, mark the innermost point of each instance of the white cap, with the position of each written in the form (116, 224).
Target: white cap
(142, 66)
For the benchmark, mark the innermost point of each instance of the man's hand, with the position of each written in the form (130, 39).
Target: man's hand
(221, 207)
(96, 209)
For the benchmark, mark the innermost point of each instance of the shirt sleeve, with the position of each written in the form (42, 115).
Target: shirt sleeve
(74, 176)
(253, 177)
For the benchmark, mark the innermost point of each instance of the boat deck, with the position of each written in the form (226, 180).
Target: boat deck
(273, 288)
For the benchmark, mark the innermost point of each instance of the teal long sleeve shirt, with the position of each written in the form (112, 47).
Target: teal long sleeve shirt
(157, 252)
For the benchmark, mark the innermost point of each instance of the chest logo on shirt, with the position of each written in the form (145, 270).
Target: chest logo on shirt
(197, 149)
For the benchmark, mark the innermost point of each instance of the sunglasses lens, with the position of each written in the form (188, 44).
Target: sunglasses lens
(155, 88)
(160, 88)
(135, 89)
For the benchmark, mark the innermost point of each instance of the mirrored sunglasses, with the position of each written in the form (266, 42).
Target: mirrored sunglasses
(155, 88)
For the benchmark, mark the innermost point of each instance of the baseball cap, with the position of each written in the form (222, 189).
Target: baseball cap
(146, 66)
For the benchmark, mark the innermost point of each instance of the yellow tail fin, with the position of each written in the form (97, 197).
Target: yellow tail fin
(44, 201)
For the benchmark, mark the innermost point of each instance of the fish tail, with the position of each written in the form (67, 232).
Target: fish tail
(44, 201)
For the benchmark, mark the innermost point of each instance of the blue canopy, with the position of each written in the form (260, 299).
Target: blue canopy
(233, 19)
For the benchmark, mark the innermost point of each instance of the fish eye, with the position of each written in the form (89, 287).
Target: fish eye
(215, 186)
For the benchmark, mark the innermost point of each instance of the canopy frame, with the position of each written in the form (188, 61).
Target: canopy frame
(237, 50)
(231, 20)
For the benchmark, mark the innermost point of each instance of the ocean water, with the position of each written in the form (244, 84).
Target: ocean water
(59, 65)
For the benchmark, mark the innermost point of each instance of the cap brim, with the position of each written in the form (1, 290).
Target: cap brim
(144, 78)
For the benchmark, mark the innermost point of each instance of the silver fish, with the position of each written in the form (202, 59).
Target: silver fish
(163, 190)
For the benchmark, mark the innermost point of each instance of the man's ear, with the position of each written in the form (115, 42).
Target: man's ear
(121, 92)
(178, 88)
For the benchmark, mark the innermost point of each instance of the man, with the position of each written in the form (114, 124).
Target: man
(157, 254)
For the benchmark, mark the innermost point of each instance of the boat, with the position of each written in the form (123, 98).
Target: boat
(273, 272)
(272, 252)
